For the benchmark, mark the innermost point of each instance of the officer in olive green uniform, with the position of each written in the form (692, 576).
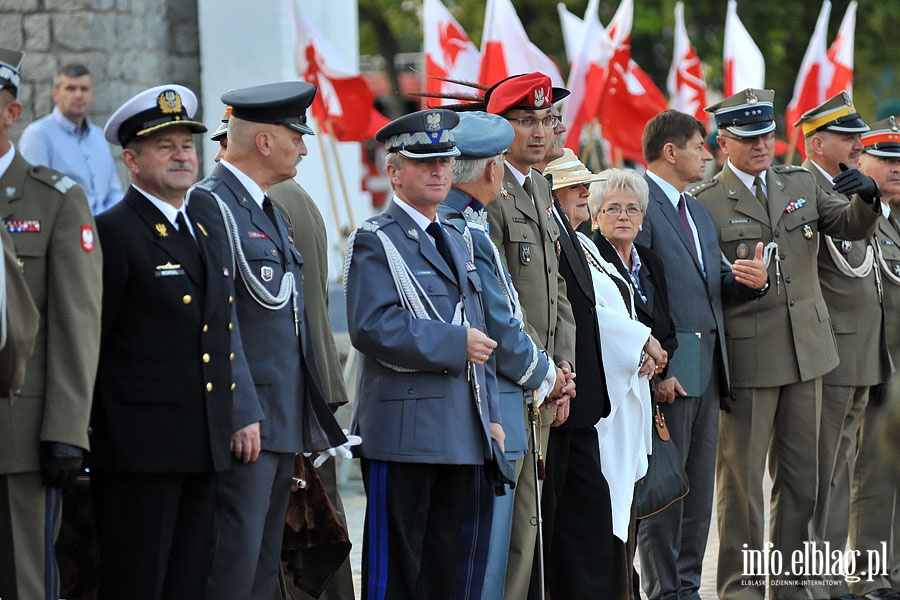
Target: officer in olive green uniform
(779, 346)
(873, 516)
(43, 427)
(524, 230)
(851, 286)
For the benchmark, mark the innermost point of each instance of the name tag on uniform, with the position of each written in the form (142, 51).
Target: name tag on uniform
(257, 235)
(168, 269)
(888, 242)
(418, 273)
(738, 221)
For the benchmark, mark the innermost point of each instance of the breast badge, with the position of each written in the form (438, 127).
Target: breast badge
(808, 232)
(266, 273)
(525, 253)
(742, 250)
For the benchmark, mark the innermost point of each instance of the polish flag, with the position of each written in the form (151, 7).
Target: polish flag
(449, 53)
(812, 80)
(744, 64)
(841, 54)
(629, 98)
(506, 49)
(344, 102)
(591, 51)
(686, 85)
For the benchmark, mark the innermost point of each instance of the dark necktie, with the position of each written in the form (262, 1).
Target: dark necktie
(682, 212)
(183, 228)
(435, 231)
(269, 209)
(760, 194)
(527, 187)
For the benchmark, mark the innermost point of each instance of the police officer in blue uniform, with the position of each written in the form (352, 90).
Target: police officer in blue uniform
(522, 367)
(423, 409)
(265, 136)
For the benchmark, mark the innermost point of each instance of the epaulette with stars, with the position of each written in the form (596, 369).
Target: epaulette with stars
(61, 183)
(702, 186)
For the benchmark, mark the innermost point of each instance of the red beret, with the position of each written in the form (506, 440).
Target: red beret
(530, 91)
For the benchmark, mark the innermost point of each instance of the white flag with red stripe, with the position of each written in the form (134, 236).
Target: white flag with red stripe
(686, 84)
(841, 54)
(449, 53)
(812, 80)
(744, 63)
(344, 102)
(506, 49)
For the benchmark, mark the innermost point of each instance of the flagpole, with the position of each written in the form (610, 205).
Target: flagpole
(351, 222)
(331, 198)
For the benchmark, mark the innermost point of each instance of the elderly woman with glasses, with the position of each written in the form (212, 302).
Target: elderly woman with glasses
(627, 350)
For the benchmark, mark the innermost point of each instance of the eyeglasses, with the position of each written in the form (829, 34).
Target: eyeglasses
(749, 141)
(549, 122)
(614, 210)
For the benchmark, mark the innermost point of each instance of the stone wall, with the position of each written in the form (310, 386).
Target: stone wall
(128, 45)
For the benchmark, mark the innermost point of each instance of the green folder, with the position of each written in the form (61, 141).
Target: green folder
(685, 364)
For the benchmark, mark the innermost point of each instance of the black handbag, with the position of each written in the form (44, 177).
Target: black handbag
(665, 481)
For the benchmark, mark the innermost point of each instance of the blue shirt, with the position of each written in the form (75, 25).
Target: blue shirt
(79, 152)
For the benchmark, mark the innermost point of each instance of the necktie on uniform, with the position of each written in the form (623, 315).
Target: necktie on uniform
(528, 189)
(435, 231)
(760, 194)
(269, 209)
(183, 228)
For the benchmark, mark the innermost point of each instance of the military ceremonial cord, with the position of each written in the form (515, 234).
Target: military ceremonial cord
(888, 273)
(286, 292)
(864, 268)
(3, 302)
(408, 287)
(510, 294)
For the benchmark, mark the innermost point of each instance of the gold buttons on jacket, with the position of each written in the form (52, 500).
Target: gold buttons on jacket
(205, 328)
(186, 299)
(233, 385)
(231, 356)
(206, 358)
(230, 327)
(230, 299)
(209, 387)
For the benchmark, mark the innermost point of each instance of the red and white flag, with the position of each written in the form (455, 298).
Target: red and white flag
(812, 80)
(344, 102)
(449, 53)
(744, 64)
(841, 54)
(587, 75)
(686, 84)
(506, 49)
(629, 98)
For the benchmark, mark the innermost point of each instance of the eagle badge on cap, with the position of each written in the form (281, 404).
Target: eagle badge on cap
(751, 97)
(169, 102)
(539, 98)
(433, 121)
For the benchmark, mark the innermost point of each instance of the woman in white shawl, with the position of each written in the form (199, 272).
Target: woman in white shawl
(627, 349)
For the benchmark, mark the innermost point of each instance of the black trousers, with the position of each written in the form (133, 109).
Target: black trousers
(577, 519)
(156, 534)
(427, 531)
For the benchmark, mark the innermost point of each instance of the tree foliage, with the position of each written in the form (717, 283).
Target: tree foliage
(781, 28)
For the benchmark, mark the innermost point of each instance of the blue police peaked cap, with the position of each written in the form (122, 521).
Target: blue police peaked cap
(420, 135)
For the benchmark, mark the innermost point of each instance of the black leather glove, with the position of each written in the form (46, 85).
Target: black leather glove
(60, 464)
(878, 394)
(853, 181)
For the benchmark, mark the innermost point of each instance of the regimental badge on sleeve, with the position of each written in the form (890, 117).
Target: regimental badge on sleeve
(87, 238)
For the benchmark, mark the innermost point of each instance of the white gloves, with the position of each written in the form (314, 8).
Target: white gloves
(343, 450)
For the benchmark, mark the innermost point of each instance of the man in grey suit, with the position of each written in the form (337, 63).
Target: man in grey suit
(682, 233)
(851, 286)
(265, 144)
(424, 411)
